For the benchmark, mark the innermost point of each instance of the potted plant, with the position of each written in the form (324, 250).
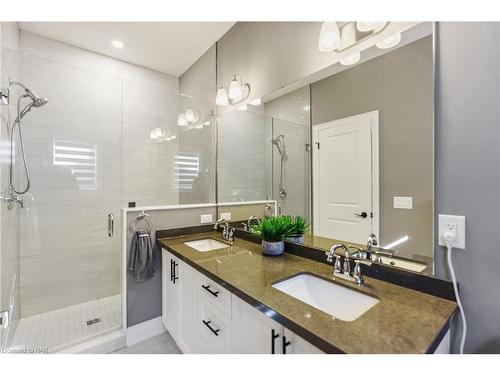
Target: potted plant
(272, 229)
(296, 228)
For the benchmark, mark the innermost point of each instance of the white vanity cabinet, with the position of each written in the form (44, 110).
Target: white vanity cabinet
(171, 294)
(204, 317)
(254, 332)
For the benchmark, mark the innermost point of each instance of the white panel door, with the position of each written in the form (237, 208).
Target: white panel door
(345, 162)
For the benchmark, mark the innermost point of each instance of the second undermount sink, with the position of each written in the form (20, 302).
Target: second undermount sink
(206, 244)
(338, 301)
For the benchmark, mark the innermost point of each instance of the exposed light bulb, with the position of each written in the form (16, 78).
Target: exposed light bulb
(221, 99)
(257, 101)
(351, 59)
(152, 134)
(365, 26)
(234, 92)
(329, 37)
(181, 120)
(189, 115)
(242, 108)
(390, 41)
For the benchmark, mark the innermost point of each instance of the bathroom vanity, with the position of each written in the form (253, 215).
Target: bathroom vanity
(235, 300)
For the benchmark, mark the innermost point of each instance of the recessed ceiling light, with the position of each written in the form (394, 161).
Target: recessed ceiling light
(117, 43)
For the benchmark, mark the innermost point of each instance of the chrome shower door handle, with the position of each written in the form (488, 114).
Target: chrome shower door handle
(111, 225)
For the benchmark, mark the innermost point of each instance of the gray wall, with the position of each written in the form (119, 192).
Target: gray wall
(400, 85)
(468, 169)
(144, 298)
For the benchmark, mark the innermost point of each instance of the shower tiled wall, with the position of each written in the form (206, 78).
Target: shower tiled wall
(104, 108)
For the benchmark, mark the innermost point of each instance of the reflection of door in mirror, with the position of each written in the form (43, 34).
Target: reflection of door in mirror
(345, 178)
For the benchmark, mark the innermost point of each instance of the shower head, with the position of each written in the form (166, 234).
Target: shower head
(279, 142)
(37, 101)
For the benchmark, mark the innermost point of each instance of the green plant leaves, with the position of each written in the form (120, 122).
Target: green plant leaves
(273, 229)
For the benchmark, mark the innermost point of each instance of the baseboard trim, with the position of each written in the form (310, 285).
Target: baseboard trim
(102, 344)
(145, 330)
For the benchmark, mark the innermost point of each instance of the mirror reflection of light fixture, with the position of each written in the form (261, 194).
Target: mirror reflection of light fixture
(221, 99)
(390, 41)
(236, 93)
(188, 117)
(365, 26)
(161, 135)
(329, 37)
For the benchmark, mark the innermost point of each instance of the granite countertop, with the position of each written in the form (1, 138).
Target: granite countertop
(404, 320)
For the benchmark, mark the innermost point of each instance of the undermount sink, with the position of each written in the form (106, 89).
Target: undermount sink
(340, 302)
(403, 263)
(206, 244)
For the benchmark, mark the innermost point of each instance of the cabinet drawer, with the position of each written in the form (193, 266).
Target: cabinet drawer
(215, 294)
(214, 328)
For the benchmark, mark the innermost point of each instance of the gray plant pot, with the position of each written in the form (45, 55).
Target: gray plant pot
(273, 248)
(297, 239)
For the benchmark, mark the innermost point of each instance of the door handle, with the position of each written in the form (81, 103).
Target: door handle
(207, 288)
(274, 336)
(171, 270)
(214, 331)
(362, 215)
(285, 344)
(111, 225)
(175, 271)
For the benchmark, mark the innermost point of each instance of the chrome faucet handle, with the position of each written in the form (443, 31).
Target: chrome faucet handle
(329, 256)
(230, 235)
(372, 241)
(347, 263)
(337, 268)
(245, 227)
(358, 276)
(361, 253)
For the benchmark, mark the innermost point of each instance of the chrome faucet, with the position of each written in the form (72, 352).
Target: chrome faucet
(343, 271)
(227, 232)
(249, 222)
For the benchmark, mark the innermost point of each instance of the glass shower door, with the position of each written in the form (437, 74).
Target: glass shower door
(70, 232)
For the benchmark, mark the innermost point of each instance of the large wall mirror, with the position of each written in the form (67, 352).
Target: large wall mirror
(352, 152)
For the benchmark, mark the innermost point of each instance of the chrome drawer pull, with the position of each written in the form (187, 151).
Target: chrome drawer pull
(214, 331)
(207, 288)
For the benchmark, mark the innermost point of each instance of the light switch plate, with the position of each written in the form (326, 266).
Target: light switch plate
(225, 216)
(206, 219)
(403, 202)
(456, 223)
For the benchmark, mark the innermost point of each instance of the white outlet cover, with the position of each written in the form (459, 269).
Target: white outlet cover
(225, 215)
(459, 222)
(403, 202)
(206, 219)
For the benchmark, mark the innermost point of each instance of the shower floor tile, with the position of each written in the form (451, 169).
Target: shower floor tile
(67, 326)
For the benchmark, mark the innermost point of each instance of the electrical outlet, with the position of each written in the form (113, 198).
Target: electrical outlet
(206, 219)
(403, 202)
(226, 216)
(454, 224)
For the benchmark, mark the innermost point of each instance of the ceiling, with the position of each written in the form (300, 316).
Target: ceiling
(168, 47)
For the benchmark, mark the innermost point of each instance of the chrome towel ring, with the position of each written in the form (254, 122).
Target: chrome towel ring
(142, 217)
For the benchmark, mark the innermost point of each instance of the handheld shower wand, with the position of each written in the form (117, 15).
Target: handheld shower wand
(279, 142)
(35, 102)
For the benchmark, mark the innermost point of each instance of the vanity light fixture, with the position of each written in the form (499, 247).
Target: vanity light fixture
(390, 41)
(347, 39)
(117, 43)
(329, 37)
(365, 26)
(221, 99)
(161, 135)
(236, 93)
(257, 101)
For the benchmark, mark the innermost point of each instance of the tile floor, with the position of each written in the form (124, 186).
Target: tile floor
(161, 344)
